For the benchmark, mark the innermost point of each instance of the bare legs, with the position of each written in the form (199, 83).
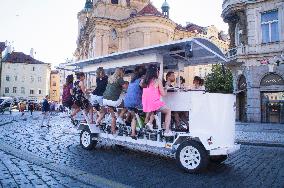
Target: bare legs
(167, 113)
(165, 110)
(113, 120)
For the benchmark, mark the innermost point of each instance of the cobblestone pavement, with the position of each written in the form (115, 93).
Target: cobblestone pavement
(16, 172)
(53, 156)
(260, 133)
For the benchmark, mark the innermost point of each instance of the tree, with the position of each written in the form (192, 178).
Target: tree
(220, 80)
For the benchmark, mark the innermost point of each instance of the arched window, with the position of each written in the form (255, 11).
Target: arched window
(272, 79)
(114, 2)
(242, 84)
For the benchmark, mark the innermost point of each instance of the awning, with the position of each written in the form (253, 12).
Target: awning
(190, 52)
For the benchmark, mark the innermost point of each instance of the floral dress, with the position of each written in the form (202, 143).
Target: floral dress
(78, 96)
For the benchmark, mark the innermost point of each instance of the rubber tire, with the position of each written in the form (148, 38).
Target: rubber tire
(218, 159)
(203, 154)
(92, 144)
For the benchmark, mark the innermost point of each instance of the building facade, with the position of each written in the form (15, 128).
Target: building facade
(256, 55)
(64, 69)
(24, 77)
(2, 48)
(110, 26)
(54, 86)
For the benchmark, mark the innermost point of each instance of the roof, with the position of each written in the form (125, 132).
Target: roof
(54, 72)
(2, 46)
(20, 57)
(149, 10)
(191, 28)
(203, 52)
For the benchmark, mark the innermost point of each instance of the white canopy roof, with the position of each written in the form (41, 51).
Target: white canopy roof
(193, 51)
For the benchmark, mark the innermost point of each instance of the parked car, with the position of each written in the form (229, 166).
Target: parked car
(6, 104)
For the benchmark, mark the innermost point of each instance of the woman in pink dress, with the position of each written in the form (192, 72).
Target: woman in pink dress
(151, 99)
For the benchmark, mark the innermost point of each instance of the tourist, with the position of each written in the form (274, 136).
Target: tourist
(133, 97)
(97, 94)
(67, 100)
(111, 96)
(151, 99)
(79, 98)
(45, 111)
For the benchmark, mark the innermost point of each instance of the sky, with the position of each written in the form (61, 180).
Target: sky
(50, 26)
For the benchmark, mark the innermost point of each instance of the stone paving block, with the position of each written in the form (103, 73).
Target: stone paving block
(250, 167)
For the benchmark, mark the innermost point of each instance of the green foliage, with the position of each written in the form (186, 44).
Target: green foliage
(218, 82)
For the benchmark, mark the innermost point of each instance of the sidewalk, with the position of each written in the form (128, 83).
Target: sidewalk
(260, 134)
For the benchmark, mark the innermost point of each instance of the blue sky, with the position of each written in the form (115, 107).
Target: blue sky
(50, 26)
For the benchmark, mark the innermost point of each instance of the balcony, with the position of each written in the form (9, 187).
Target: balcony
(233, 53)
(227, 3)
(231, 6)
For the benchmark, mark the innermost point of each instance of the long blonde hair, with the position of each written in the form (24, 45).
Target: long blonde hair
(118, 73)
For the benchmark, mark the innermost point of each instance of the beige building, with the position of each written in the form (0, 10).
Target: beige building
(54, 86)
(24, 77)
(64, 70)
(2, 48)
(110, 26)
(256, 55)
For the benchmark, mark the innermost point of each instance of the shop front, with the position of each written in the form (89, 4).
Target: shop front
(272, 99)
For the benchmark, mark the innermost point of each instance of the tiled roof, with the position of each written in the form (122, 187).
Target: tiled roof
(194, 28)
(20, 57)
(149, 10)
(54, 72)
(2, 46)
(191, 28)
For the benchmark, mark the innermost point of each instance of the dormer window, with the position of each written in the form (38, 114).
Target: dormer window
(114, 2)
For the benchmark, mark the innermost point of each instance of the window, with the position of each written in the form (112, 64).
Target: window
(114, 1)
(32, 79)
(33, 68)
(269, 26)
(16, 78)
(22, 90)
(31, 91)
(23, 78)
(53, 83)
(39, 91)
(39, 79)
(7, 78)
(14, 89)
(6, 90)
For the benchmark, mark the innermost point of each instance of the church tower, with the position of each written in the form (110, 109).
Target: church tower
(166, 9)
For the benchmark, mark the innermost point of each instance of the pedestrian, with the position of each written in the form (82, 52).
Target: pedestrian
(31, 107)
(22, 107)
(45, 111)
